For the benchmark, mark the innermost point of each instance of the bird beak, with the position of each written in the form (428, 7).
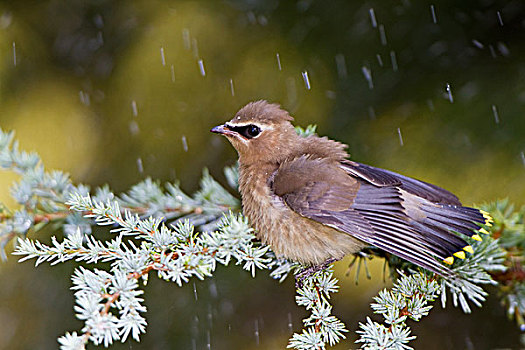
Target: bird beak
(223, 130)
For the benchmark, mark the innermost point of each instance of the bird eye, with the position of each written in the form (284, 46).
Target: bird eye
(248, 131)
(252, 131)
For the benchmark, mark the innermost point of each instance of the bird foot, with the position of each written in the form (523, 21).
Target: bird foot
(309, 271)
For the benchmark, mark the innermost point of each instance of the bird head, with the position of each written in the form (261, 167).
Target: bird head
(261, 132)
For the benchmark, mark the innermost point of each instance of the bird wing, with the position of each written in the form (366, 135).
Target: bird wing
(382, 177)
(367, 207)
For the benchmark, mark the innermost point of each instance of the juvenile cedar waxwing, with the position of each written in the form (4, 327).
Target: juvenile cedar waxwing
(311, 204)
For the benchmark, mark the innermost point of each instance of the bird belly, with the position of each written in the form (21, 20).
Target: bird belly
(293, 236)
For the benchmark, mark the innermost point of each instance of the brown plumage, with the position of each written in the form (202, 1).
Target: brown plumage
(310, 203)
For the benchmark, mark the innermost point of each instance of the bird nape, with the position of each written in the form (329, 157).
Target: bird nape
(311, 204)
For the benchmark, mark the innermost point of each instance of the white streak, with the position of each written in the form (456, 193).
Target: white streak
(449, 92)
(139, 165)
(340, 65)
(201, 68)
(372, 17)
(279, 62)
(172, 73)
(382, 34)
(433, 12)
(232, 88)
(368, 76)
(184, 143)
(14, 53)
(522, 155)
(306, 80)
(500, 19)
(195, 48)
(133, 128)
(256, 332)
(496, 115)
(478, 44)
(186, 38)
(162, 58)
(400, 137)
(393, 60)
(134, 108)
(379, 60)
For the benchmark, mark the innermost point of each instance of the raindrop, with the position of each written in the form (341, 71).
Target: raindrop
(522, 155)
(133, 128)
(84, 97)
(290, 323)
(478, 44)
(278, 61)
(195, 48)
(368, 76)
(139, 165)
(251, 17)
(492, 51)
(5, 20)
(306, 80)
(100, 38)
(172, 73)
(393, 60)
(262, 20)
(201, 68)
(231, 87)
(134, 108)
(371, 113)
(186, 38)
(330, 94)
(257, 332)
(500, 19)
(184, 143)
(433, 13)
(195, 292)
(213, 289)
(208, 340)
(373, 18)
(341, 65)
(496, 115)
(503, 49)
(382, 34)
(210, 315)
(379, 60)
(163, 59)
(449, 93)
(98, 20)
(14, 53)
(400, 137)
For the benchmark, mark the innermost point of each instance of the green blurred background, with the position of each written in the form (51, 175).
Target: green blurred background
(109, 91)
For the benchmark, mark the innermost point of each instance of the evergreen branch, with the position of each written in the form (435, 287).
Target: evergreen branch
(408, 298)
(180, 237)
(322, 327)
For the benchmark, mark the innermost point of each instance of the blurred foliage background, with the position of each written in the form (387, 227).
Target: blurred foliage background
(116, 91)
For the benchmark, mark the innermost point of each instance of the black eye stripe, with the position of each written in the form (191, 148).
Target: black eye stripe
(248, 131)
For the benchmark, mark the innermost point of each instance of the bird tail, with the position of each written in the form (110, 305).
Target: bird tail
(441, 222)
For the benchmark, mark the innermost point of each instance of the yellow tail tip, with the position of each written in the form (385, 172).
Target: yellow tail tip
(486, 216)
(460, 254)
(482, 230)
(468, 249)
(488, 223)
(449, 260)
(476, 238)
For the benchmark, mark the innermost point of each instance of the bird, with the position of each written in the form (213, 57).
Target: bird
(313, 205)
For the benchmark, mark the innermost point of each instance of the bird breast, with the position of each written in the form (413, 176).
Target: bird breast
(289, 234)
